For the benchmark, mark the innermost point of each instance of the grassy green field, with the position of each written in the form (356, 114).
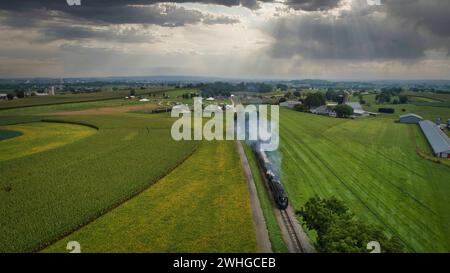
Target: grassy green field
(278, 245)
(372, 165)
(38, 137)
(201, 206)
(53, 192)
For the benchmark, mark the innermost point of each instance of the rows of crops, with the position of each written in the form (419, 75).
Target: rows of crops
(51, 193)
(201, 206)
(372, 165)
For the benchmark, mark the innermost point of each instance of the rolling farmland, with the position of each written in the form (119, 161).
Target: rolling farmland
(51, 193)
(372, 165)
(428, 110)
(73, 98)
(39, 136)
(201, 206)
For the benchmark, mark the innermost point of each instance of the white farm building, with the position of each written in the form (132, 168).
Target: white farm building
(410, 118)
(439, 141)
(290, 103)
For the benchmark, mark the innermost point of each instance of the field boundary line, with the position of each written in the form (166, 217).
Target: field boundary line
(262, 233)
(70, 122)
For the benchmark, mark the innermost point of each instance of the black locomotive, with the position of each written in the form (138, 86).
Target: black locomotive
(278, 192)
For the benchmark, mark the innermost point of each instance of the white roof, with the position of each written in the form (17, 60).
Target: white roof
(438, 140)
(410, 115)
(210, 98)
(212, 107)
(144, 100)
(181, 108)
(358, 111)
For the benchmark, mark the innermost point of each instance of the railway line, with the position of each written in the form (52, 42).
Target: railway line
(292, 232)
(296, 244)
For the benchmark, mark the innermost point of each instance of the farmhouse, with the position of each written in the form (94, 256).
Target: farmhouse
(290, 103)
(410, 118)
(324, 110)
(3, 96)
(439, 141)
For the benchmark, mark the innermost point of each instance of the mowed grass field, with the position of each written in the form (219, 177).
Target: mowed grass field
(49, 194)
(201, 206)
(372, 165)
(40, 136)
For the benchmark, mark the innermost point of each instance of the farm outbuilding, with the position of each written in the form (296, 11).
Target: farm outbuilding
(410, 118)
(358, 110)
(439, 141)
(290, 103)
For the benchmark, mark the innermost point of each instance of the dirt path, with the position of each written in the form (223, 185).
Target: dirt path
(262, 235)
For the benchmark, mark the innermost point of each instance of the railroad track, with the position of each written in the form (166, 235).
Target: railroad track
(291, 230)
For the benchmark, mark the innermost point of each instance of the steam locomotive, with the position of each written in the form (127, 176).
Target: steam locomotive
(278, 193)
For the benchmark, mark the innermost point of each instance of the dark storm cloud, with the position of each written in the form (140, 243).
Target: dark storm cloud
(164, 15)
(433, 15)
(63, 6)
(397, 30)
(344, 39)
(55, 20)
(313, 5)
(61, 32)
(118, 11)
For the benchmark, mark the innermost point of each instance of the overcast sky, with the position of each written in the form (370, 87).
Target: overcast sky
(327, 39)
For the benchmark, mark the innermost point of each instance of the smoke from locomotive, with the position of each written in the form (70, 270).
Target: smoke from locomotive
(270, 171)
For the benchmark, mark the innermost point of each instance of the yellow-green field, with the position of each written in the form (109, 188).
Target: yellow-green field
(201, 206)
(40, 136)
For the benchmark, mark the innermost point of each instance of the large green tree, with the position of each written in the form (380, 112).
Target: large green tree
(339, 231)
(343, 111)
(315, 99)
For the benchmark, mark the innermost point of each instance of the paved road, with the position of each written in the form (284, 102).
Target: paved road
(262, 235)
